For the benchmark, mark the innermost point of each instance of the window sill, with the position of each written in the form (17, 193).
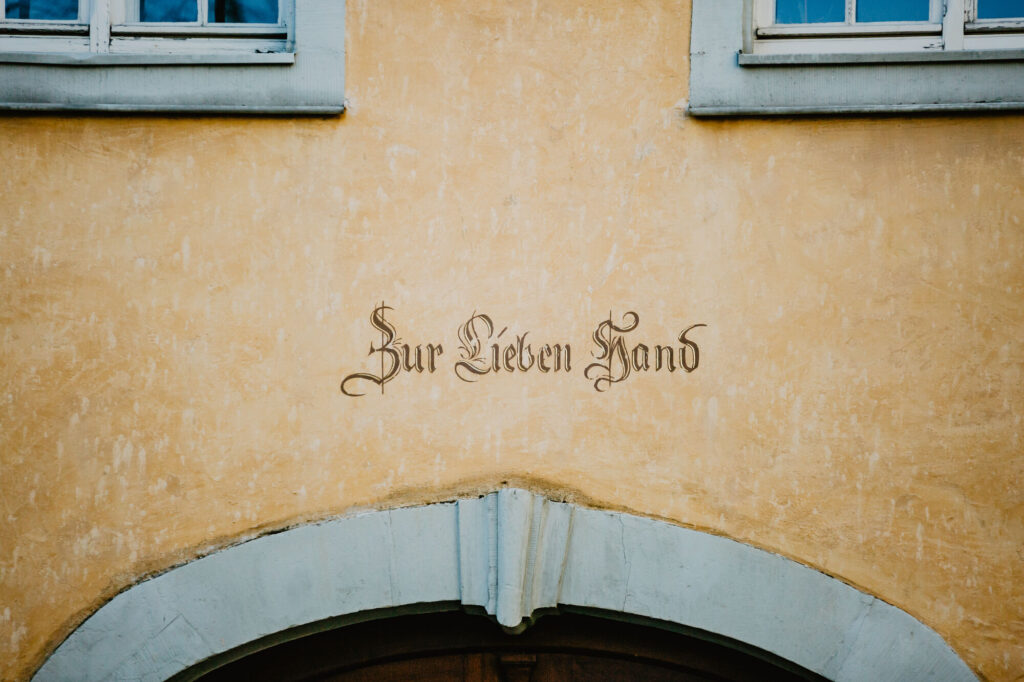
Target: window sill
(133, 108)
(854, 109)
(116, 59)
(825, 59)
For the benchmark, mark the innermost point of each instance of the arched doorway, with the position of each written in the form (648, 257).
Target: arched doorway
(515, 556)
(458, 647)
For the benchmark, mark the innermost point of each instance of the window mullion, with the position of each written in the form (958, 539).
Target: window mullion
(127, 12)
(99, 26)
(204, 11)
(970, 11)
(953, 24)
(288, 19)
(851, 11)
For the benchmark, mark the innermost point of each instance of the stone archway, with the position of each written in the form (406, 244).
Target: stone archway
(513, 555)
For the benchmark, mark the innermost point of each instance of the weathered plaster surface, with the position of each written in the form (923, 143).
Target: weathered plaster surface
(181, 297)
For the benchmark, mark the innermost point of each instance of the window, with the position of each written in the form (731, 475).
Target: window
(814, 26)
(850, 56)
(272, 56)
(884, 26)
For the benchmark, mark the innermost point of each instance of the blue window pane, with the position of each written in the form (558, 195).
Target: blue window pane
(1000, 9)
(809, 11)
(892, 10)
(62, 10)
(168, 10)
(243, 11)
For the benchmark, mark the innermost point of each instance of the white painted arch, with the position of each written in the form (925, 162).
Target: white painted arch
(513, 554)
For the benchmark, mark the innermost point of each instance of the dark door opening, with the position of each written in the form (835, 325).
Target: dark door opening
(458, 647)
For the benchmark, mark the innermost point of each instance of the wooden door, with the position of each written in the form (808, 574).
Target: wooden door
(493, 667)
(455, 647)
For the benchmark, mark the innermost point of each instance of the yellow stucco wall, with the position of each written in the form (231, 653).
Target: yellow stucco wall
(182, 296)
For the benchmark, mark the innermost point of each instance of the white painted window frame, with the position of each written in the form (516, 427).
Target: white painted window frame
(108, 61)
(46, 35)
(83, 13)
(109, 32)
(990, 33)
(738, 67)
(953, 26)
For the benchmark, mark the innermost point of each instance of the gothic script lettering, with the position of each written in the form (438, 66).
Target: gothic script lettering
(484, 351)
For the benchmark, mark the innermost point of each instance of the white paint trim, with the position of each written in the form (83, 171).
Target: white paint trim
(848, 30)
(514, 555)
(984, 26)
(22, 26)
(215, 30)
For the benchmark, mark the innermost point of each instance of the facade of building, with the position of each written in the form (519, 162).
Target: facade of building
(524, 259)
